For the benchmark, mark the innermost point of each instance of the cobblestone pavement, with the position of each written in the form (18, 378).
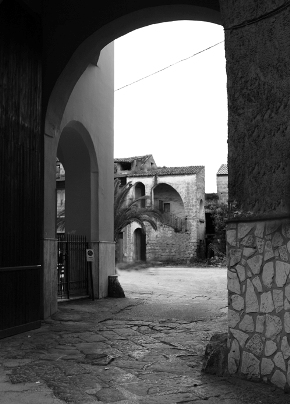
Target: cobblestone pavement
(120, 351)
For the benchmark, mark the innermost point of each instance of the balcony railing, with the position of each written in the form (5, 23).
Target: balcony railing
(177, 223)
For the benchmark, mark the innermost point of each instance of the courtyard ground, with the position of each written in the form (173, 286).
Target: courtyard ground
(145, 348)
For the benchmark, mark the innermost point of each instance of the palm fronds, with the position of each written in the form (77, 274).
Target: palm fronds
(127, 211)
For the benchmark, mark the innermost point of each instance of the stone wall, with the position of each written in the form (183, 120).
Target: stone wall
(259, 300)
(167, 245)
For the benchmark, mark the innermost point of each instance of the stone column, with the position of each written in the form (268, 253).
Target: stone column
(257, 39)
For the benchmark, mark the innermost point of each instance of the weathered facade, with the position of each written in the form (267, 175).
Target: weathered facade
(178, 193)
(47, 47)
(222, 183)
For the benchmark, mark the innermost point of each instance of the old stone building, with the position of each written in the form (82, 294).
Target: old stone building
(178, 193)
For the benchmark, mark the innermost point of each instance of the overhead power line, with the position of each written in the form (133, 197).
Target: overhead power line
(167, 67)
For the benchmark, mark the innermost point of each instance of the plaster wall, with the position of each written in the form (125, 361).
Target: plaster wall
(222, 188)
(167, 194)
(89, 116)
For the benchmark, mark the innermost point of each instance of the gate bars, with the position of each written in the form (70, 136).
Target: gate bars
(72, 268)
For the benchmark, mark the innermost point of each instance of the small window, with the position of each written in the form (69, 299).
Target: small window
(125, 166)
(166, 207)
(122, 181)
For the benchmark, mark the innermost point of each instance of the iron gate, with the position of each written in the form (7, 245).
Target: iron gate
(72, 268)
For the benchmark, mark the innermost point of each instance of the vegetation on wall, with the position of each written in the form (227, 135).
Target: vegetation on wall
(220, 213)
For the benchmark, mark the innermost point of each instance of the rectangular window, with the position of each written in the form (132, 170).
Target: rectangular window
(166, 207)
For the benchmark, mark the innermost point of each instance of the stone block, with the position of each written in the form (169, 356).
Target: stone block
(247, 324)
(260, 245)
(244, 229)
(267, 366)
(278, 300)
(282, 272)
(285, 348)
(268, 252)
(273, 326)
(249, 241)
(279, 379)
(270, 348)
(260, 324)
(277, 239)
(248, 252)
(279, 361)
(238, 302)
(257, 283)
(235, 256)
(267, 305)
(268, 274)
(215, 357)
(255, 264)
(234, 357)
(233, 318)
(287, 322)
(283, 253)
(272, 226)
(255, 345)
(241, 272)
(250, 366)
(233, 282)
(259, 232)
(286, 230)
(240, 336)
(252, 305)
(232, 237)
(287, 291)
(286, 304)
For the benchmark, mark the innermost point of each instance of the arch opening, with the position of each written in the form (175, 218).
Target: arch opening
(139, 192)
(139, 245)
(168, 201)
(57, 95)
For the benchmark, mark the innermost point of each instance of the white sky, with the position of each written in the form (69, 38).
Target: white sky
(180, 114)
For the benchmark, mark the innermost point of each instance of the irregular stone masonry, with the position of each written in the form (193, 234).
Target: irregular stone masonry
(259, 301)
(167, 245)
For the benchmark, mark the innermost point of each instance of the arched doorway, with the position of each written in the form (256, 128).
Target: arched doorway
(139, 245)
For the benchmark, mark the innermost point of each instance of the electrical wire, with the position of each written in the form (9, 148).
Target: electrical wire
(167, 67)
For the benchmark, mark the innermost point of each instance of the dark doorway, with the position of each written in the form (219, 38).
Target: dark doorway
(139, 245)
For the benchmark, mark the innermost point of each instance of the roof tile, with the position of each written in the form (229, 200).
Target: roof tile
(223, 170)
(168, 171)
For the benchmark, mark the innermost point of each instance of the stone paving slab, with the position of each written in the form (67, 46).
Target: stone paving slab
(90, 353)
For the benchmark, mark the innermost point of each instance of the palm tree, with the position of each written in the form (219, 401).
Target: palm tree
(125, 212)
(128, 211)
